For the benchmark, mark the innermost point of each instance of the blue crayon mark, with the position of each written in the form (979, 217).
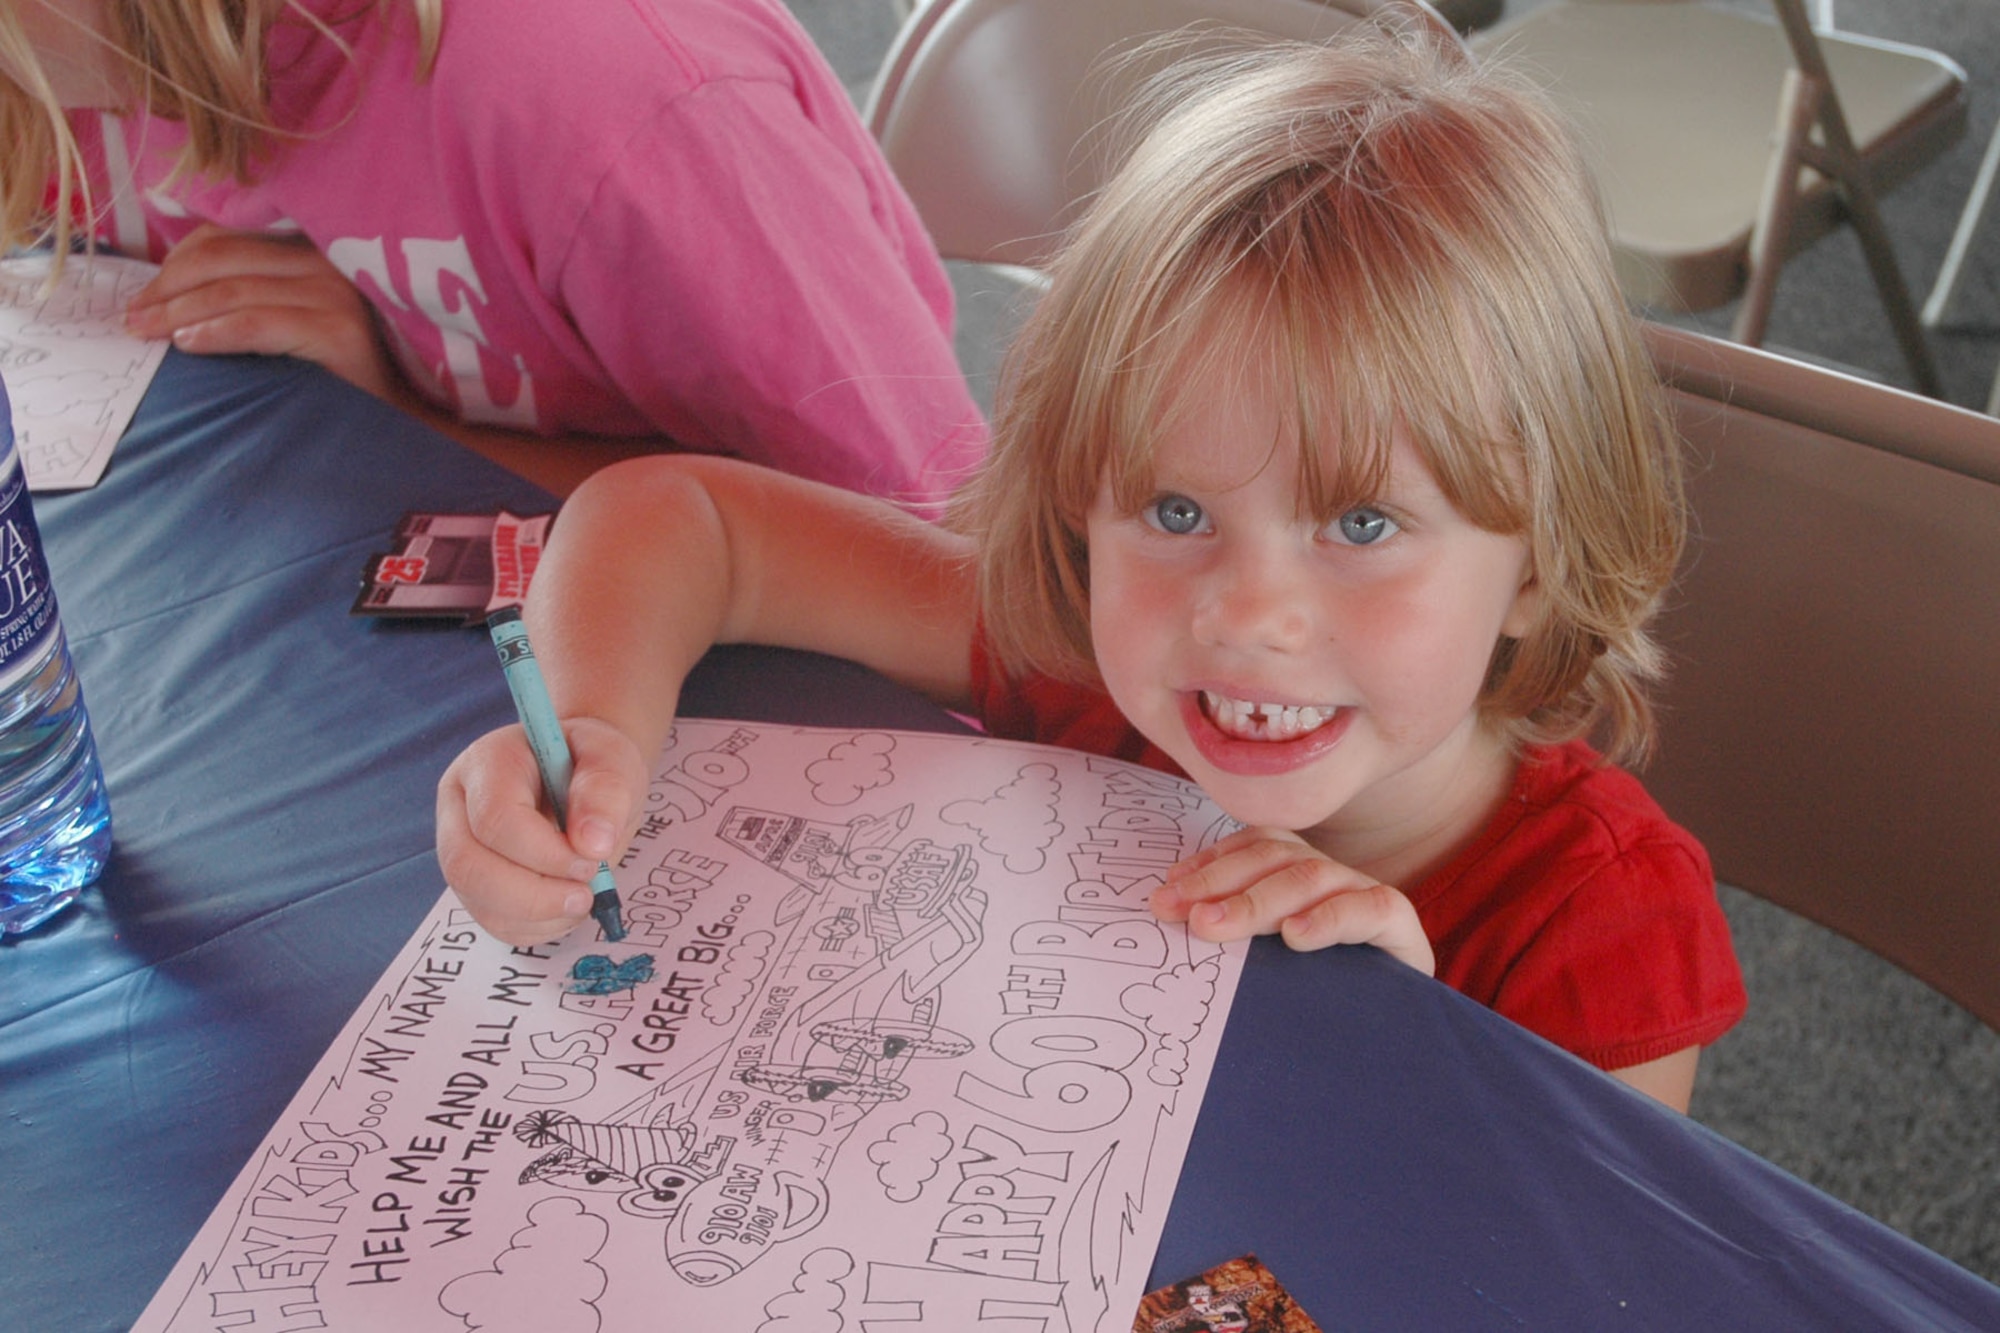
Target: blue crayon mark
(598, 974)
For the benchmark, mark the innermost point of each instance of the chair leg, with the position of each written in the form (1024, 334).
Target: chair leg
(1798, 109)
(1944, 292)
(1837, 159)
(1896, 300)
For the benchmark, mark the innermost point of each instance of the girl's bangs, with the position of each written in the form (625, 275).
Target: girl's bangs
(1355, 361)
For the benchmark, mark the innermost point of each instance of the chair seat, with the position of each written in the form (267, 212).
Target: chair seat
(1677, 104)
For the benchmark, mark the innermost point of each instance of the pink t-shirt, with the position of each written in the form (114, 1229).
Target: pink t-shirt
(622, 217)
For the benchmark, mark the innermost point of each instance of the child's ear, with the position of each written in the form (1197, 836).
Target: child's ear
(1526, 612)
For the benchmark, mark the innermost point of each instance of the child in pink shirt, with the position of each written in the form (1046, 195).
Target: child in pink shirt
(626, 218)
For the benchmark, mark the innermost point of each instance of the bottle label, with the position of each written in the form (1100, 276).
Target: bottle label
(27, 599)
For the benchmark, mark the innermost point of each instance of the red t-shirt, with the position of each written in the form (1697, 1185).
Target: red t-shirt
(1580, 911)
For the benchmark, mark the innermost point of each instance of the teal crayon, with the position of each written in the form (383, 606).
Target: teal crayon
(551, 751)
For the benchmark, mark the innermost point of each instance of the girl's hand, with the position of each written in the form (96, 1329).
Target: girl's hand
(499, 847)
(1258, 881)
(223, 292)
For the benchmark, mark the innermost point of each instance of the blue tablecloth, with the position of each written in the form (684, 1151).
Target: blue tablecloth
(1400, 1157)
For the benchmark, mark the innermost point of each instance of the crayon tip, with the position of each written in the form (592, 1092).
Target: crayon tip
(604, 908)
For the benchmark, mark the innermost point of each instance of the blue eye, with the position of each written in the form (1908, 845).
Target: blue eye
(1176, 514)
(1364, 526)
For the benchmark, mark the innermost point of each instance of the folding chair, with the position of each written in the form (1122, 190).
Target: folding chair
(988, 110)
(1465, 15)
(1676, 102)
(1829, 728)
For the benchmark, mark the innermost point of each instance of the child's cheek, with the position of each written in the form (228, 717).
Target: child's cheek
(1137, 594)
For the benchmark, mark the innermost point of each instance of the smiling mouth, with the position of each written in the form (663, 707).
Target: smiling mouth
(1243, 719)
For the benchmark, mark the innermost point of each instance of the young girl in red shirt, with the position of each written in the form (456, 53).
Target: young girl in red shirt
(1331, 473)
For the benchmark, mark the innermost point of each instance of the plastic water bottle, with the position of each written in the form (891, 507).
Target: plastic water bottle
(55, 819)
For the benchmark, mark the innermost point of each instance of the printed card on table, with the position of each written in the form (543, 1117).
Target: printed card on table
(1240, 1296)
(893, 1041)
(459, 567)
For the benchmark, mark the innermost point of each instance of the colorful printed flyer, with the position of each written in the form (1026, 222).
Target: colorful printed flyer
(458, 567)
(893, 1041)
(1239, 1296)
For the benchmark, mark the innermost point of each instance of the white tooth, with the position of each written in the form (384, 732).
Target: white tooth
(1270, 711)
(1309, 718)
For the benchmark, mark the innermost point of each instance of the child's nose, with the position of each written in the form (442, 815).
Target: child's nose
(1255, 600)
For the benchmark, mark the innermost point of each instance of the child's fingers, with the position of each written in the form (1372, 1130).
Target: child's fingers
(1377, 915)
(210, 253)
(493, 792)
(498, 846)
(1243, 837)
(605, 788)
(327, 338)
(1263, 881)
(515, 904)
(519, 907)
(1227, 868)
(228, 293)
(239, 291)
(1282, 887)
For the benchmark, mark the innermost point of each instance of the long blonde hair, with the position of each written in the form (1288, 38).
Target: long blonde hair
(198, 62)
(1411, 240)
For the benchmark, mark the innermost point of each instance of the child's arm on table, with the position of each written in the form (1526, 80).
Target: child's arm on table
(649, 564)
(224, 292)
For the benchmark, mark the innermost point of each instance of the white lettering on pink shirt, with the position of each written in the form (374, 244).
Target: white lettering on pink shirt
(462, 369)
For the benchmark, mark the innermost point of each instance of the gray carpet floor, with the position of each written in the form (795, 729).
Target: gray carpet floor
(1846, 1072)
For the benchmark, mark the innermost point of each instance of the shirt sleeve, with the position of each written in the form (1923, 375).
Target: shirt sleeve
(1634, 964)
(754, 291)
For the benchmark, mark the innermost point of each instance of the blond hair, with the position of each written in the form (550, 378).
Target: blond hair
(1412, 242)
(198, 62)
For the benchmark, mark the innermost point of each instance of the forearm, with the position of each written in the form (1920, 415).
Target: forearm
(654, 561)
(632, 589)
